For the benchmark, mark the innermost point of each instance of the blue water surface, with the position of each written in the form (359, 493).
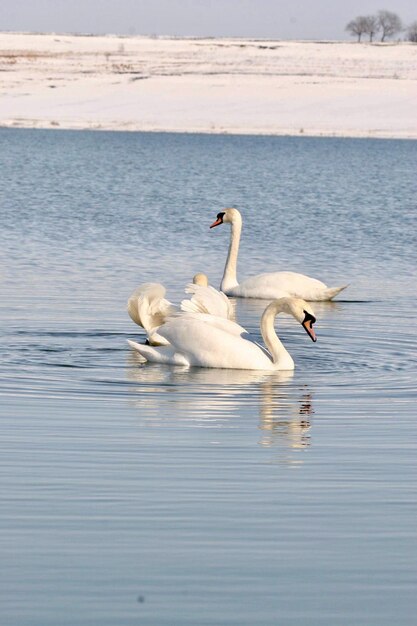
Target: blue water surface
(146, 494)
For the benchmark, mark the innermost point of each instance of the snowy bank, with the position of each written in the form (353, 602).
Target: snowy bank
(208, 85)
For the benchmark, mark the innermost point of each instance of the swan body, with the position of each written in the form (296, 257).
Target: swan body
(272, 285)
(204, 340)
(148, 307)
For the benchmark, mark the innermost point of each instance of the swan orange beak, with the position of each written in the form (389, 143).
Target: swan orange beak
(217, 222)
(308, 325)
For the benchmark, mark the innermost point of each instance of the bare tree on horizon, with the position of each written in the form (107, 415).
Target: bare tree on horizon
(412, 32)
(372, 26)
(357, 26)
(389, 24)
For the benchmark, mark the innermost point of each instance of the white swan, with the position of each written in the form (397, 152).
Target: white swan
(270, 285)
(207, 341)
(148, 307)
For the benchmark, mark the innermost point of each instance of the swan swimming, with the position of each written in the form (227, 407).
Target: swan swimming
(148, 307)
(202, 340)
(266, 286)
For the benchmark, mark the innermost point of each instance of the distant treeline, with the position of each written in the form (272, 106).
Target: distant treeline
(384, 22)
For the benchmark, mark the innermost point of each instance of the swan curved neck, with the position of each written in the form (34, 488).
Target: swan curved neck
(280, 356)
(229, 279)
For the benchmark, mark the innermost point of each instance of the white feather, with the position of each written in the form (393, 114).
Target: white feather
(206, 299)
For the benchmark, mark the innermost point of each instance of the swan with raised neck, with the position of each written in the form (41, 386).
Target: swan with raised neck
(270, 285)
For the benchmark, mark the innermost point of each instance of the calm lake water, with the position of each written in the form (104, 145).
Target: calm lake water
(154, 495)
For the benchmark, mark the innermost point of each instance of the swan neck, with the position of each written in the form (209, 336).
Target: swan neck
(280, 356)
(229, 279)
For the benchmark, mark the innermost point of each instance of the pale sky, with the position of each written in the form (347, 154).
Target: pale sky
(276, 19)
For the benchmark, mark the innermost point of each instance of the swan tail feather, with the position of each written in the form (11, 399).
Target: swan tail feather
(331, 292)
(138, 347)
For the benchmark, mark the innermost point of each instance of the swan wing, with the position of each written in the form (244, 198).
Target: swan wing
(221, 323)
(207, 299)
(148, 307)
(208, 341)
(226, 325)
(274, 285)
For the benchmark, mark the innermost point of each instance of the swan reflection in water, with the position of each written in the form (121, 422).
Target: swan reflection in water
(285, 418)
(226, 399)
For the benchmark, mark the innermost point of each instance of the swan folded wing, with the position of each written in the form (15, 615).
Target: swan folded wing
(221, 323)
(207, 341)
(227, 325)
(274, 285)
(206, 299)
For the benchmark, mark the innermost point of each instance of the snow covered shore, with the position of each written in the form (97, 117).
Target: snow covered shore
(208, 85)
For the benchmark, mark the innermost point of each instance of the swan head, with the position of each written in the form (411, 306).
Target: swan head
(301, 310)
(227, 216)
(200, 279)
